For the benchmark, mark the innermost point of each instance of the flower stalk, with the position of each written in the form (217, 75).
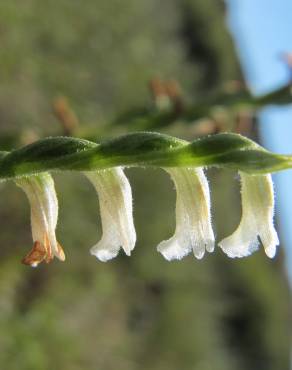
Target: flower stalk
(145, 149)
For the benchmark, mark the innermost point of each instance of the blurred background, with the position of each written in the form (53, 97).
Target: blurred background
(101, 68)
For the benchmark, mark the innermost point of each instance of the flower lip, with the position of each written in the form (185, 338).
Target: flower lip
(193, 216)
(256, 221)
(36, 255)
(43, 201)
(115, 199)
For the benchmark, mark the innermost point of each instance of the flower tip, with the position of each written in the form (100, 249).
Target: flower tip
(127, 252)
(271, 251)
(35, 256)
(31, 264)
(202, 246)
(238, 250)
(128, 245)
(270, 240)
(60, 253)
(172, 250)
(103, 254)
(199, 254)
(210, 245)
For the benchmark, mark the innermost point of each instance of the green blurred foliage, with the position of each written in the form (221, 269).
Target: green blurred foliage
(140, 312)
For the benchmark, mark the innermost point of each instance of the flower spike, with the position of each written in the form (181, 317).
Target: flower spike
(257, 218)
(115, 199)
(40, 191)
(193, 218)
(102, 163)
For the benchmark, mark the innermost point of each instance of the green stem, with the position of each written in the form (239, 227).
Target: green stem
(145, 149)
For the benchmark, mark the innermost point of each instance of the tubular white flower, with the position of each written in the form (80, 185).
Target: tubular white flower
(115, 200)
(193, 217)
(257, 218)
(40, 191)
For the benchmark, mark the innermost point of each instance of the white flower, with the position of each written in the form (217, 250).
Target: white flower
(257, 218)
(115, 200)
(193, 219)
(40, 191)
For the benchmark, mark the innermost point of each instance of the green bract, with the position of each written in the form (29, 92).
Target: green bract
(141, 149)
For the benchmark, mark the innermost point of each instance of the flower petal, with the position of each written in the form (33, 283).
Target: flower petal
(115, 198)
(193, 217)
(257, 218)
(40, 191)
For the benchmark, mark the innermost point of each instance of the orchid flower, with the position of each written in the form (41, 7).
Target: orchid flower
(257, 218)
(184, 161)
(40, 191)
(193, 218)
(115, 199)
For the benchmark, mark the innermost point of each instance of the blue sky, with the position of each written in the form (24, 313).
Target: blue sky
(262, 30)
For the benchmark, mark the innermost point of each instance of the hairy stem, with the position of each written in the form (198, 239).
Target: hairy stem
(145, 149)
